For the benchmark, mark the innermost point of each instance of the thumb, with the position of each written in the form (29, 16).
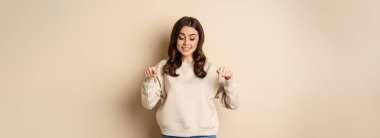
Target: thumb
(219, 75)
(155, 78)
(154, 72)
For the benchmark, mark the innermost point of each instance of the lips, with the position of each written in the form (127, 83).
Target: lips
(186, 48)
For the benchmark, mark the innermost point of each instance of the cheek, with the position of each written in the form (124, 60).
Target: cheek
(194, 43)
(179, 42)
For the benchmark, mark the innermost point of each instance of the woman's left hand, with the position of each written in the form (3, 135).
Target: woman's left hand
(224, 72)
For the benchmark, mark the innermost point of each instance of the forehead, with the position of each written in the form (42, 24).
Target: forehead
(188, 30)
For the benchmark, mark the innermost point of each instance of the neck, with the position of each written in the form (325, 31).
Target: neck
(187, 59)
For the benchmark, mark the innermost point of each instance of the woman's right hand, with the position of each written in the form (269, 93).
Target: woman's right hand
(151, 73)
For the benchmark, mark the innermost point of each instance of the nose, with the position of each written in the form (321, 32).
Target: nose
(186, 42)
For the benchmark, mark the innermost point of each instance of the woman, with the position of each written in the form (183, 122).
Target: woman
(186, 84)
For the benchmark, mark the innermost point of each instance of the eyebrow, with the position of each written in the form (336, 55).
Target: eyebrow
(189, 35)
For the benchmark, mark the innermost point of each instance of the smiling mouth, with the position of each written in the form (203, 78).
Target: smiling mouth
(186, 48)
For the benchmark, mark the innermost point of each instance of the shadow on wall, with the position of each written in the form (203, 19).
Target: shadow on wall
(146, 119)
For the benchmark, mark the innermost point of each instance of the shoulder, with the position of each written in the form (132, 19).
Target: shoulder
(211, 69)
(161, 63)
(209, 66)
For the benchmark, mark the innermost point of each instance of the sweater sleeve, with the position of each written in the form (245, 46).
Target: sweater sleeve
(228, 94)
(226, 90)
(151, 91)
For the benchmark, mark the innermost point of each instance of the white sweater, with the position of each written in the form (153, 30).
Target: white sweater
(188, 102)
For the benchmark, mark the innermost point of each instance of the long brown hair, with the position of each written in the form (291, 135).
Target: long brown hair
(199, 58)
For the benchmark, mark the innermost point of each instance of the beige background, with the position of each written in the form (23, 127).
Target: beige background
(305, 69)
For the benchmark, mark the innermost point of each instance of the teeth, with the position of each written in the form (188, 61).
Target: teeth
(186, 48)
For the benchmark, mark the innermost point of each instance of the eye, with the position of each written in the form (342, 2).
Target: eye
(192, 39)
(180, 38)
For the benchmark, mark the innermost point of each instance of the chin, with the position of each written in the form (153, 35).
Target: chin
(187, 54)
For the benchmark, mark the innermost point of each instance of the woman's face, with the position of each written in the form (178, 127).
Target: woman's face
(187, 41)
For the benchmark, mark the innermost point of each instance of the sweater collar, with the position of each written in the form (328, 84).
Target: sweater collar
(185, 64)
